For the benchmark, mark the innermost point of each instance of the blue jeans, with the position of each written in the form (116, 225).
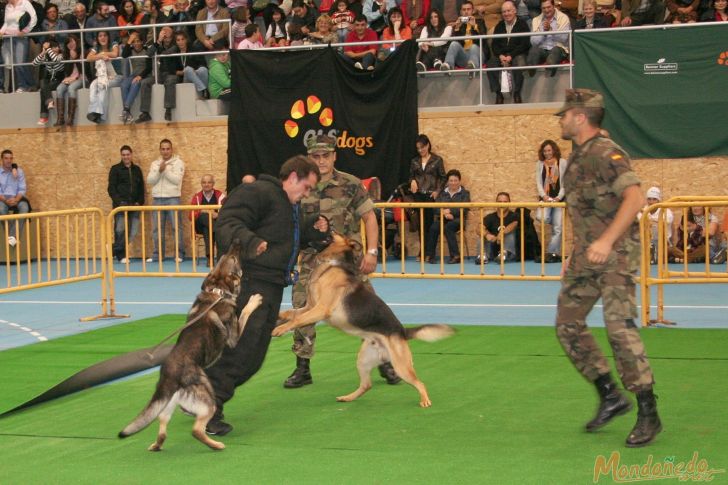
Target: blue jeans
(69, 89)
(129, 91)
(23, 76)
(98, 98)
(457, 56)
(492, 248)
(119, 247)
(164, 217)
(197, 77)
(553, 216)
(21, 208)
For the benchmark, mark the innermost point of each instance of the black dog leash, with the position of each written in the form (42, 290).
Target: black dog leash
(221, 296)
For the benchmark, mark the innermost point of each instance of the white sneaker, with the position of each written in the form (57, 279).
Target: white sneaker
(150, 260)
(51, 105)
(20, 90)
(421, 66)
(471, 65)
(437, 64)
(370, 68)
(358, 65)
(12, 241)
(444, 66)
(124, 260)
(179, 260)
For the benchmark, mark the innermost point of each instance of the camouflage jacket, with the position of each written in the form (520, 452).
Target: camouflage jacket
(343, 200)
(597, 173)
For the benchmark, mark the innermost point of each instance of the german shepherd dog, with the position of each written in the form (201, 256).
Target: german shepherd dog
(182, 380)
(337, 295)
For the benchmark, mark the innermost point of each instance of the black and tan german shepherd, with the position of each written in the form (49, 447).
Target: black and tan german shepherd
(182, 380)
(337, 295)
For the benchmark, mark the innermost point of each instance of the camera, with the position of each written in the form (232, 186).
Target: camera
(464, 20)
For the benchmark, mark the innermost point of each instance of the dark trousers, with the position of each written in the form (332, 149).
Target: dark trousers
(537, 56)
(451, 229)
(366, 61)
(47, 86)
(655, 14)
(494, 77)
(429, 214)
(170, 92)
(202, 226)
(238, 365)
(433, 53)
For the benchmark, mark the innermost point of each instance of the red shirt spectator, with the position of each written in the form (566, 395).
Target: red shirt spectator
(369, 36)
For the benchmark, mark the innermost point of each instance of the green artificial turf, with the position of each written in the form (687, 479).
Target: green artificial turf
(507, 408)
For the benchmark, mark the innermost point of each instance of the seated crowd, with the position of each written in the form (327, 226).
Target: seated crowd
(499, 234)
(126, 57)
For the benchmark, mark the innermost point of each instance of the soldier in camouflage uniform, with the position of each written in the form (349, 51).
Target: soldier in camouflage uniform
(342, 199)
(603, 197)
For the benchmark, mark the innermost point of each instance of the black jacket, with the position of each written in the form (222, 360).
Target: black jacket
(480, 29)
(511, 46)
(599, 23)
(259, 212)
(432, 178)
(126, 185)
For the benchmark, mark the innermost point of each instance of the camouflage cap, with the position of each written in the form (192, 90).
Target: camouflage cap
(581, 98)
(321, 143)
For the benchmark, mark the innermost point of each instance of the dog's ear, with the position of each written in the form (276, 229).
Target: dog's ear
(355, 245)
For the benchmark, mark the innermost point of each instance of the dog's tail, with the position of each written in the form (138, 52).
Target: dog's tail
(159, 401)
(429, 333)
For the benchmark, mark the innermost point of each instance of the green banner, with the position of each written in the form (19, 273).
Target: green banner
(665, 90)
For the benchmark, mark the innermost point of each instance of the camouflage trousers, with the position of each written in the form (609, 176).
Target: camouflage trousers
(579, 293)
(304, 338)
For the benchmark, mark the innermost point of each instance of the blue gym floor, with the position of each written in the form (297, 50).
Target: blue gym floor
(30, 316)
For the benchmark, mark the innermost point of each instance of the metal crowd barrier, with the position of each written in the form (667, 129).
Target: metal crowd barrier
(665, 274)
(481, 209)
(54, 248)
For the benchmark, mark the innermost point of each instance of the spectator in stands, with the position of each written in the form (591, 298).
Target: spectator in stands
(253, 40)
(303, 20)
(193, 69)
(65, 8)
(13, 29)
(642, 12)
(432, 52)
(126, 188)
(325, 33)
(165, 176)
(167, 75)
(722, 252)
(716, 14)
(466, 53)
(682, 11)
(51, 58)
(709, 228)
(503, 222)
(508, 52)
(77, 20)
(181, 13)
(690, 246)
(52, 23)
(101, 18)
(454, 192)
(72, 81)
(654, 196)
(591, 19)
(343, 19)
(220, 81)
(129, 16)
(153, 15)
(101, 55)
(277, 34)
(551, 48)
(241, 18)
(414, 13)
(362, 56)
(12, 195)
(209, 195)
(207, 34)
(427, 178)
(396, 29)
(375, 12)
(139, 68)
(550, 169)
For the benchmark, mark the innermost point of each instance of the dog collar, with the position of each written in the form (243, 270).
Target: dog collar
(221, 293)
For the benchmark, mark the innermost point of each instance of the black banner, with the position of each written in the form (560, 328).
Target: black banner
(281, 99)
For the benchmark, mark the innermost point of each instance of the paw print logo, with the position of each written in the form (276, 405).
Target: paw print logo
(723, 58)
(311, 107)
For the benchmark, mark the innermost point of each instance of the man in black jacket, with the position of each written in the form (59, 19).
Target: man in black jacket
(266, 217)
(508, 52)
(126, 188)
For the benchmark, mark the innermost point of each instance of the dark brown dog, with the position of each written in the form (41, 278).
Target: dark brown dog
(182, 379)
(337, 295)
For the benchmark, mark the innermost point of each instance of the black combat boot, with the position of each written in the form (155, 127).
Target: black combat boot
(387, 371)
(301, 374)
(648, 422)
(612, 403)
(216, 426)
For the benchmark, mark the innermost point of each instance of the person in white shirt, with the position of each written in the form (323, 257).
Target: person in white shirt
(12, 34)
(552, 48)
(654, 195)
(165, 176)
